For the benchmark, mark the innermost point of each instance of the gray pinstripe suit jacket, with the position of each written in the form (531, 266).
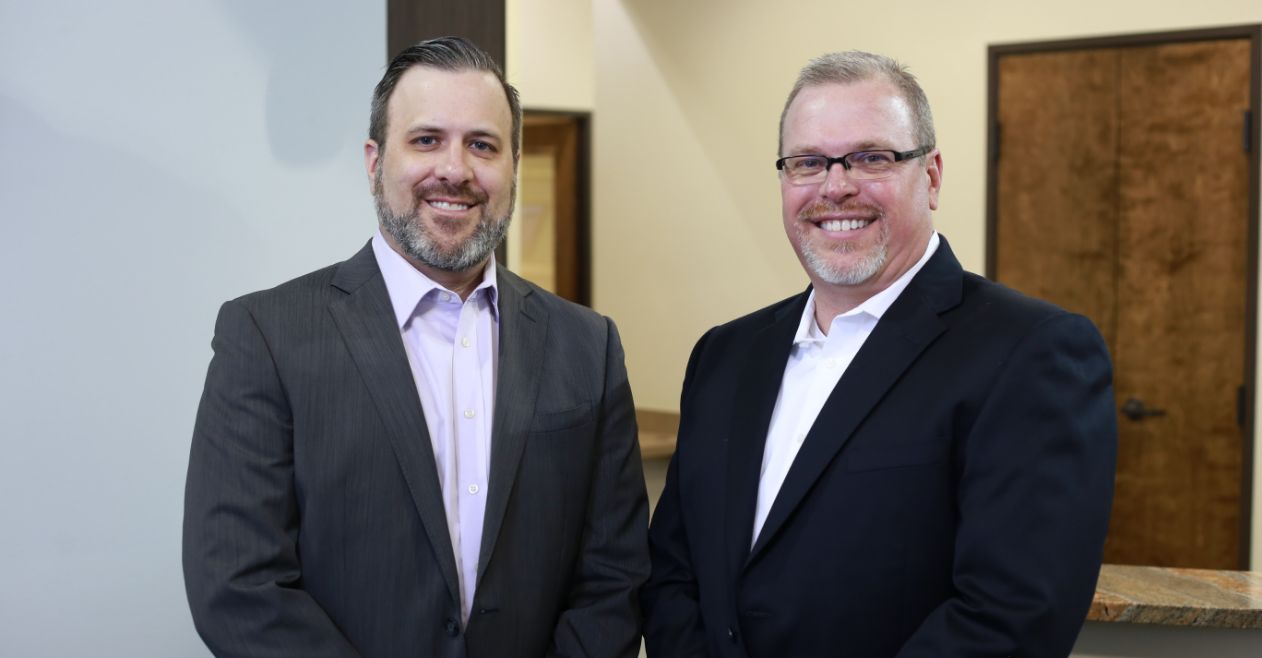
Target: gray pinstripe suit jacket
(314, 523)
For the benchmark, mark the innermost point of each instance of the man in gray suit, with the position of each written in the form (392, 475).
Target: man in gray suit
(415, 452)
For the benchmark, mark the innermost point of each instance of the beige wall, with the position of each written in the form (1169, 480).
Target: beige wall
(686, 96)
(549, 53)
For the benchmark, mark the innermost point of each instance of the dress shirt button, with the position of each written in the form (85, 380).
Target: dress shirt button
(453, 628)
(446, 297)
(464, 341)
(473, 488)
(468, 413)
(830, 363)
(801, 438)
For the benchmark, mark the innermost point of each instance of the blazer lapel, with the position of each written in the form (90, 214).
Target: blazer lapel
(757, 390)
(907, 328)
(367, 323)
(523, 328)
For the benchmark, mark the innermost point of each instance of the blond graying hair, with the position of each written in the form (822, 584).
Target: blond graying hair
(857, 66)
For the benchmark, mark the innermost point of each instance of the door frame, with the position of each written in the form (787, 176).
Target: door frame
(1250, 130)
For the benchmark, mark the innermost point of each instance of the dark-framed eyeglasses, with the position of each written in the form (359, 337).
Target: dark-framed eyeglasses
(860, 165)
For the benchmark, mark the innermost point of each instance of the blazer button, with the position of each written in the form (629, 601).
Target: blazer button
(731, 634)
(453, 628)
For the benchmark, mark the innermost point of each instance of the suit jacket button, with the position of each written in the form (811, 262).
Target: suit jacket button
(453, 628)
(731, 634)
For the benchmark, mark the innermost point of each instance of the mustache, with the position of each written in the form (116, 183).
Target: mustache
(820, 209)
(464, 193)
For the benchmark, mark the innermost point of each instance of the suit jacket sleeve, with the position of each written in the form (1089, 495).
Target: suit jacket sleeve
(241, 568)
(1035, 486)
(672, 607)
(603, 615)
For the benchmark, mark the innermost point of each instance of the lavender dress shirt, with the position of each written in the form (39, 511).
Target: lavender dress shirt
(452, 346)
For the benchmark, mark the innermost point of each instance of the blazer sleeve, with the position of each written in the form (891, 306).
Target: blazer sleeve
(1035, 487)
(673, 624)
(603, 614)
(241, 567)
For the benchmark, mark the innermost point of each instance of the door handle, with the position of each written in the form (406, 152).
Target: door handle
(1134, 409)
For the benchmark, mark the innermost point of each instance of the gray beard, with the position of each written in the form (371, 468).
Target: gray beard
(411, 235)
(839, 275)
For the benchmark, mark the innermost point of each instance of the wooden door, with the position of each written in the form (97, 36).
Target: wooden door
(551, 237)
(1122, 192)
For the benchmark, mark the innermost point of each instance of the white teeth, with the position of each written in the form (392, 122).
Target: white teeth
(446, 205)
(844, 224)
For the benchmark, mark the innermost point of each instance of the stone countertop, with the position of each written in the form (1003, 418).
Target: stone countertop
(1178, 597)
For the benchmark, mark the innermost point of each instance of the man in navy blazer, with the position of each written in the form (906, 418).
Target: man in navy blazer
(904, 460)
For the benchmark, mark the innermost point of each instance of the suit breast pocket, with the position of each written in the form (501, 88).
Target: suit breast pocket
(897, 455)
(555, 421)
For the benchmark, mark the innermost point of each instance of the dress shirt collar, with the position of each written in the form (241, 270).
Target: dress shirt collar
(875, 306)
(408, 286)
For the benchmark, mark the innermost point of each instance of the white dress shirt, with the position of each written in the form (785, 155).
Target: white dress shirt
(816, 363)
(452, 347)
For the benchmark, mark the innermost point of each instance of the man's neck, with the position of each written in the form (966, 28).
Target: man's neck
(833, 300)
(462, 283)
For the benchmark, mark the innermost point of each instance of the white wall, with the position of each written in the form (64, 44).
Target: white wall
(156, 158)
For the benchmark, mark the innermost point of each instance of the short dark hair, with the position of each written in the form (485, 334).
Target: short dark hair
(857, 66)
(446, 54)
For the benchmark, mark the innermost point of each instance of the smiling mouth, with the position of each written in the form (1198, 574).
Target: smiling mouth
(449, 205)
(842, 225)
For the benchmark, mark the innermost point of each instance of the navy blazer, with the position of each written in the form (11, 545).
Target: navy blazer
(951, 498)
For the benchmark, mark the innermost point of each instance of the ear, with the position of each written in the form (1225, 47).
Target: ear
(372, 160)
(934, 170)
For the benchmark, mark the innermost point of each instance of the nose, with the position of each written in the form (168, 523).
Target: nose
(454, 166)
(837, 183)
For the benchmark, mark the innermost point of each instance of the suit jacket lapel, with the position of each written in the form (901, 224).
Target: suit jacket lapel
(757, 390)
(910, 324)
(523, 328)
(367, 323)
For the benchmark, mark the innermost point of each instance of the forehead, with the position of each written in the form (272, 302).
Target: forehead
(449, 100)
(865, 114)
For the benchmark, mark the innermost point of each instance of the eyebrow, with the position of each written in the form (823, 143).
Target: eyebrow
(429, 129)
